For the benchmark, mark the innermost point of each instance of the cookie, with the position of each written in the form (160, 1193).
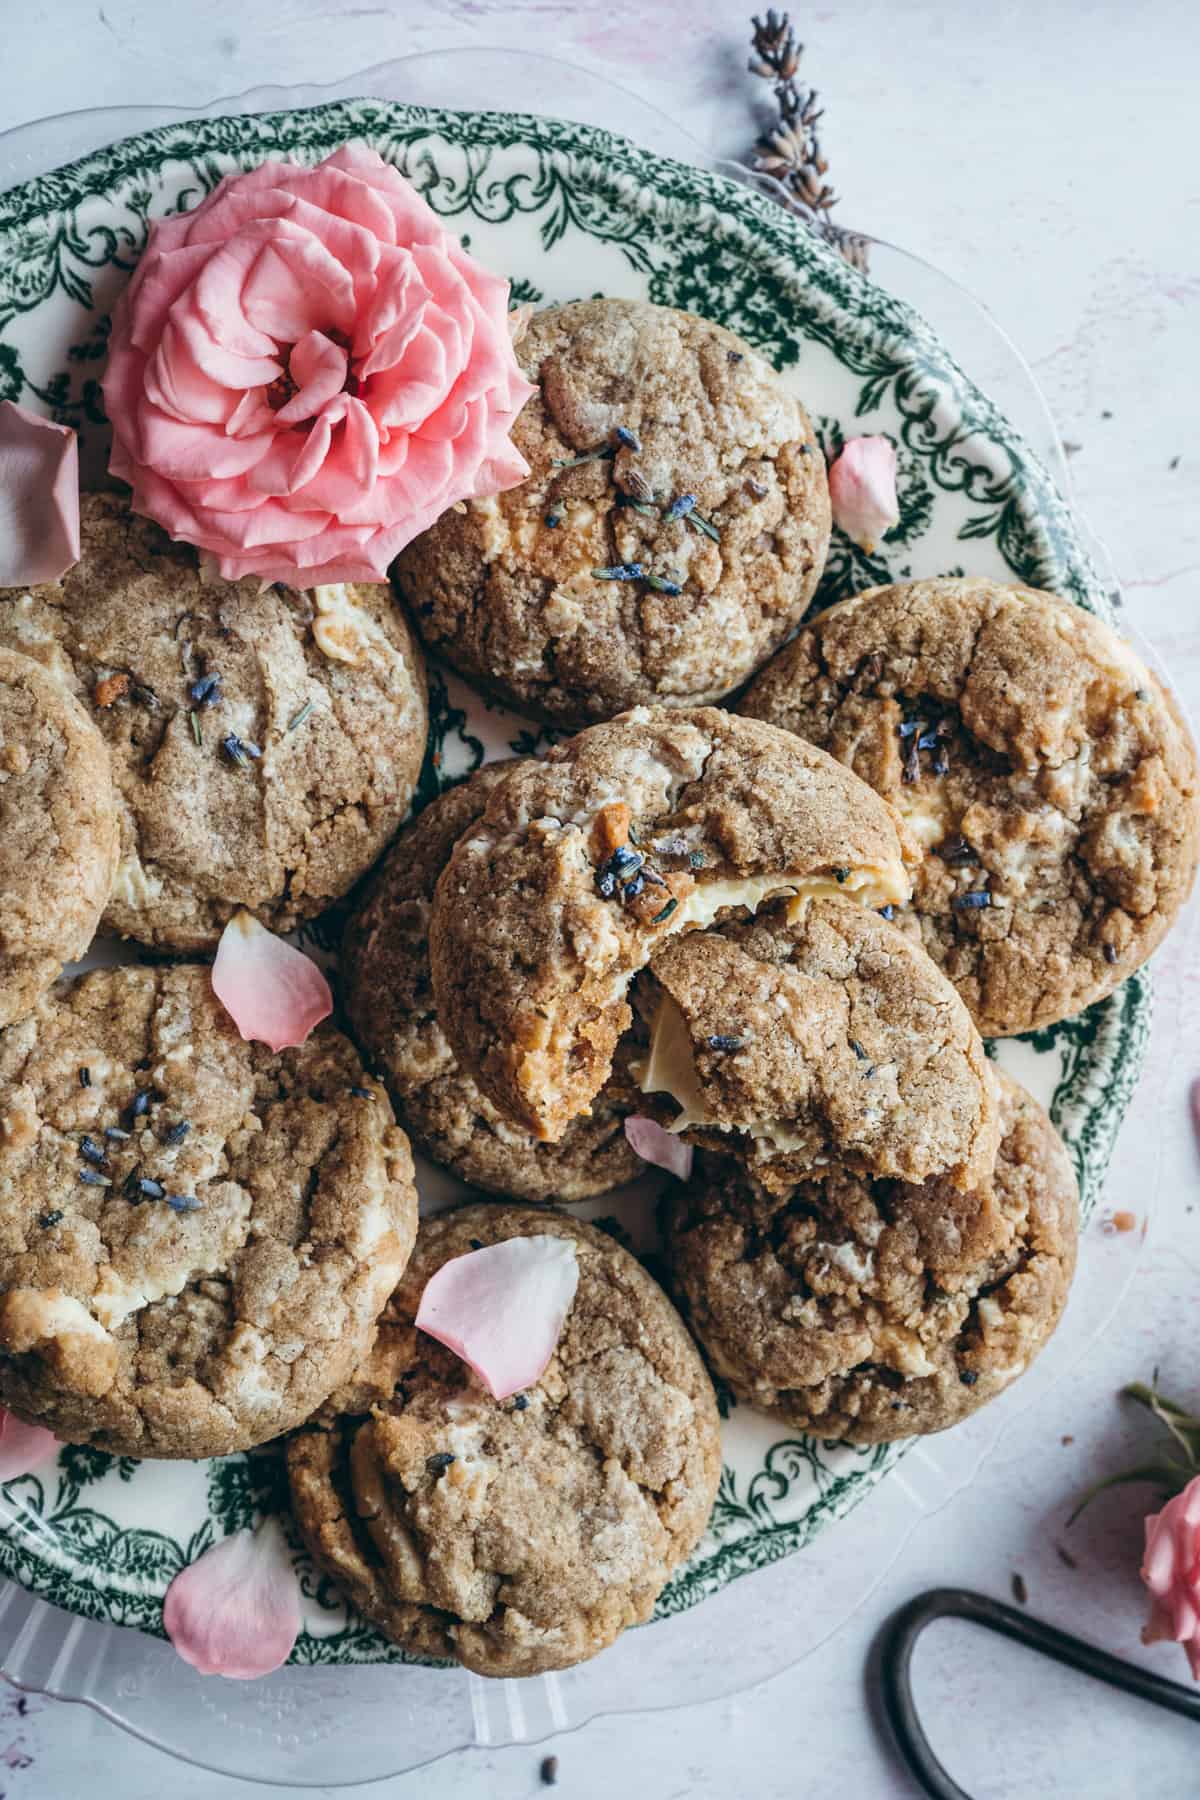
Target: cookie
(583, 863)
(877, 1310)
(389, 1002)
(196, 1235)
(826, 1038)
(670, 535)
(522, 1535)
(58, 832)
(264, 746)
(1042, 765)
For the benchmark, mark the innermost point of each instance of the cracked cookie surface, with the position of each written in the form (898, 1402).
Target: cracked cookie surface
(827, 1038)
(583, 863)
(196, 1235)
(876, 1310)
(522, 1535)
(1043, 766)
(638, 409)
(58, 831)
(264, 746)
(389, 1001)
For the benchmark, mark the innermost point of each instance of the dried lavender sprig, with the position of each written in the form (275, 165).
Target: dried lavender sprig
(585, 456)
(621, 572)
(790, 151)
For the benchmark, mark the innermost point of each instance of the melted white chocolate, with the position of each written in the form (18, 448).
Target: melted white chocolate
(887, 885)
(345, 631)
(133, 884)
(925, 818)
(670, 1068)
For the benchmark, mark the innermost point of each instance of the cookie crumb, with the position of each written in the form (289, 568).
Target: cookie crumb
(1020, 1592)
(109, 690)
(549, 1771)
(610, 829)
(1068, 1439)
(1118, 1223)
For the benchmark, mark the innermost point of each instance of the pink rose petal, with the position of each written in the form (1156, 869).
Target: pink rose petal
(23, 1447)
(656, 1145)
(273, 993)
(39, 498)
(502, 1308)
(235, 1611)
(862, 490)
(1171, 1572)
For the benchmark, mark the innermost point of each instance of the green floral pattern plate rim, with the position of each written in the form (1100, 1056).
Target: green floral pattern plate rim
(564, 210)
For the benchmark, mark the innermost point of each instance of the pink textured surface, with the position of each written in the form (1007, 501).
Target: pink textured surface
(948, 136)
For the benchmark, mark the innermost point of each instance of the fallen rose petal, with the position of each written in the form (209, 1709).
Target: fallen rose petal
(862, 490)
(235, 1611)
(273, 993)
(502, 1308)
(39, 497)
(1171, 1572)
(662, 1148)
(23, 1447)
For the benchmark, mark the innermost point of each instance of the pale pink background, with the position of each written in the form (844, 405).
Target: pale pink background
(1043, 153)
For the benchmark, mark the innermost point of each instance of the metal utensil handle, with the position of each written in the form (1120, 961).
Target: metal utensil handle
(906, 1626)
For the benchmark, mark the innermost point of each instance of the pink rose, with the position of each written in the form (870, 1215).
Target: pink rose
(1171, 1571)
(307, 370)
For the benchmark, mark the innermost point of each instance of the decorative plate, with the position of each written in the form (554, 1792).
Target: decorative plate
(564, 210)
